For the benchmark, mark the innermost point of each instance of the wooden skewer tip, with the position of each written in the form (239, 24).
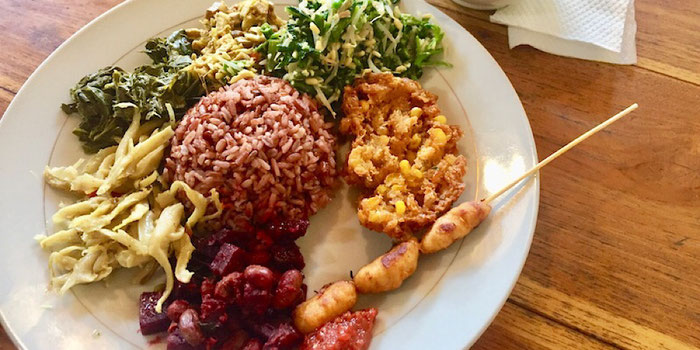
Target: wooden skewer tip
(561, 151)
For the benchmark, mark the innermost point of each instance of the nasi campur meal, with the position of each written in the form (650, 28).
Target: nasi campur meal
(207, 163)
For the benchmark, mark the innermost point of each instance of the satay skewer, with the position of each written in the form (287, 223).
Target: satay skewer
(461, 220)
(388, 271)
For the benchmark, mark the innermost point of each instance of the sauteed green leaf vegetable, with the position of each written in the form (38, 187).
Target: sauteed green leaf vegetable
(162, 89)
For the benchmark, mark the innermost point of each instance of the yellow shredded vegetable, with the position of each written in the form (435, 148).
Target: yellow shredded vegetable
(125, 219)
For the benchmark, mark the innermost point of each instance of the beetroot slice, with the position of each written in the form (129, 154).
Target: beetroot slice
(229, 258)
(150, 321)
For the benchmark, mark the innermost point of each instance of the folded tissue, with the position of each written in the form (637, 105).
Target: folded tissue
(599, 30)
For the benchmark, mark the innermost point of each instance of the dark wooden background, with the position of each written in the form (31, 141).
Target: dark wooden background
(615, 262)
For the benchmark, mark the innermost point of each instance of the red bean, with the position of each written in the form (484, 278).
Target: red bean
(189, 327)
(255, 300)
(242, 308)
(292, 277)
(176, 309)
(288, 289)
(259, 276)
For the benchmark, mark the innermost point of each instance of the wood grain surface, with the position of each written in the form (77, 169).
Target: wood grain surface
(615, 261)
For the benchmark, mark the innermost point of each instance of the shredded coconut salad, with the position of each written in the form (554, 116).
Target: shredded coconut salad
(326, 44)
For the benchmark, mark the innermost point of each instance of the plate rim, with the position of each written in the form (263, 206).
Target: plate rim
(3, 321)
(535, 179)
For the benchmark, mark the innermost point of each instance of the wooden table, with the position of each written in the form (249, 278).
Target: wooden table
(615, 261)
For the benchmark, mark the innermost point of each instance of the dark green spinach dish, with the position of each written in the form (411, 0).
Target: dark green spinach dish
(162, 90)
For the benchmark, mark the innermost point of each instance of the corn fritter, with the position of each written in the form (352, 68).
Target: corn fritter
(404, 153)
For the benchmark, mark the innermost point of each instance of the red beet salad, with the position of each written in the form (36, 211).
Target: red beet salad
(245, 286)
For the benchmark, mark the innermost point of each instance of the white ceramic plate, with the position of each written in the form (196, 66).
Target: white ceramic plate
(447, 304)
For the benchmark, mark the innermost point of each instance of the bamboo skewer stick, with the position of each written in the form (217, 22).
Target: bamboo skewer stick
(561, 151)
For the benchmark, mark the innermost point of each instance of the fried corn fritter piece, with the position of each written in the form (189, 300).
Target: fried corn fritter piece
(404, 152)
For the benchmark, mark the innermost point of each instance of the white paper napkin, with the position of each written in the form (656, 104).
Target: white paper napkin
(599, 30)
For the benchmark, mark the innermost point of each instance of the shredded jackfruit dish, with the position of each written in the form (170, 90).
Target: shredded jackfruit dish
(204, 166)
(127, 216)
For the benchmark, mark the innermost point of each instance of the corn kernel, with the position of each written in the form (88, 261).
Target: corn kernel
(441, 119)
(439, 136)
(375, 217)
(417, 173)
(416, 112)
(405, 166)
(381, 189)
(392, 178)
(384, 140)
(378, 216)
(400, 207)
(373, 202)
(415, 141)
(365, 105)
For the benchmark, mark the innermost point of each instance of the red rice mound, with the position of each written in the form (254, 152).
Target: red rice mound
(262, 145)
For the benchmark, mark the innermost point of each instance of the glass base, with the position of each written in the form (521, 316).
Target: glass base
(481, 6)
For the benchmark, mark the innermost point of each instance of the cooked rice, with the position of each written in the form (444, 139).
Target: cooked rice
(262, 145)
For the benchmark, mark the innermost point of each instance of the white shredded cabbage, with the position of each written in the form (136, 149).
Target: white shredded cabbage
(124, 220)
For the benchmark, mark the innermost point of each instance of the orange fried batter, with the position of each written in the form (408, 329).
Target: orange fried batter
(403, 152)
